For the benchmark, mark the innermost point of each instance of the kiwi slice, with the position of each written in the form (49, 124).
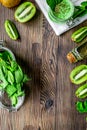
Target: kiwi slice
(25, 12)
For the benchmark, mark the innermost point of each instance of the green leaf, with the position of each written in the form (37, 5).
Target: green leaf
(10, 77)
(18, 75)
(5, 55)
(83, 13)
(4, 69)
(19, 94)
(14, 100)
(80, 10)
(3, 82)
(25, 79)
(84, 3)
(1, 88)
(2, 62)
(10, 89)
(14, 65)
(18, 86)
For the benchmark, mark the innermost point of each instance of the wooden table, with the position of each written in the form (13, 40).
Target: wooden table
(50, 96)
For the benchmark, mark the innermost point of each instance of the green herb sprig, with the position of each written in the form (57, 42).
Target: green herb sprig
(80, 10)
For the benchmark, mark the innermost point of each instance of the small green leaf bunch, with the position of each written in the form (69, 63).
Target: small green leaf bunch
(11, 78)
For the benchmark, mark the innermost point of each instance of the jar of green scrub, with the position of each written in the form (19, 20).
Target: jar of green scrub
(62, 12)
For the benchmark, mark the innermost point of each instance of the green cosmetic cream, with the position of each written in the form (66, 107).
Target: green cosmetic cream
(63, 11)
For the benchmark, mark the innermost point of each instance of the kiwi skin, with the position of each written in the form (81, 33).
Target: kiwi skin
(10, 3)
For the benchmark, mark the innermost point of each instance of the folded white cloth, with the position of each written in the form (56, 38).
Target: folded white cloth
(60, 28)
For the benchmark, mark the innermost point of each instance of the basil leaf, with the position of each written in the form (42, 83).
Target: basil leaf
(14, 65)
(3, 81)
(14, 100)
(4, 69)
(18, 75)
(1, 88)
(4, 55)
(25, 79)
(10, 89)
(18, 86)
(20, 93)
(10, 77)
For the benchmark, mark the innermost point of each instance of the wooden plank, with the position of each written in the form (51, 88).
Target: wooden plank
(67, 118)
(50, 99)
(29, 127)
(48, 77)
(27, 51)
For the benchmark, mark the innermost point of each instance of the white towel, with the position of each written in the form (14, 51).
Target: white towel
(60, 28)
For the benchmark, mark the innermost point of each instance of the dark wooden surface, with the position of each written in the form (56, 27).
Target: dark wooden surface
(50, 96)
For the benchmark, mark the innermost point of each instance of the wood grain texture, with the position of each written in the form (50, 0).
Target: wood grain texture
(50, 96)
(66, 111)
(27, 51)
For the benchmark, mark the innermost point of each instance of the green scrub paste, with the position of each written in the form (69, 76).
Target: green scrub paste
(63, 11)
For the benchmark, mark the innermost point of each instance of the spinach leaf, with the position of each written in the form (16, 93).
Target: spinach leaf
(53, 3)
(10, 89)
(18, 75)
(5, 71)
(25, 78)
(18, 86)
(10, 77)
(4, 55)
(20, 93)
(14, 65)
(3, 81)
(14, 100)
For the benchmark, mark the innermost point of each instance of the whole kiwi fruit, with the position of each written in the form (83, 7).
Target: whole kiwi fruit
(10, 3)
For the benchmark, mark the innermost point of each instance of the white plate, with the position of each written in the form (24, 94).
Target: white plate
(59, 28)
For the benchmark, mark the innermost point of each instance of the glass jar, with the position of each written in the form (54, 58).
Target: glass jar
(20, 99)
